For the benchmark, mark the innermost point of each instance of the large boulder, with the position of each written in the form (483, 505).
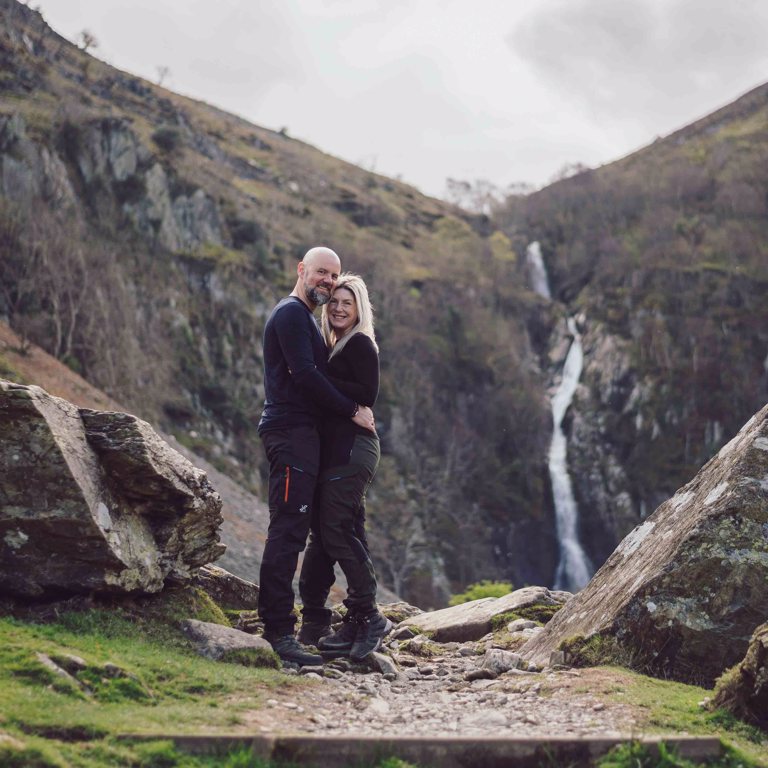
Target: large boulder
(95, 501)
(744, 689)
(470, 621)
(683, 592)
(227, 590)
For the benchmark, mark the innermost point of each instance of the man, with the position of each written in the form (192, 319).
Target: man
(296, 394)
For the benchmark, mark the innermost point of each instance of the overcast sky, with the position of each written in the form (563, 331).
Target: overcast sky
(503, 90)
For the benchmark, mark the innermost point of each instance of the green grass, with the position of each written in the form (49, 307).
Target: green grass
(482, 589)
(38, 753)
(676, 708)
(636, 755)
(35, 752)
(140, 677)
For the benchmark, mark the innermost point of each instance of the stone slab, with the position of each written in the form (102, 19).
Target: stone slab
(447, 752)
(472, 620)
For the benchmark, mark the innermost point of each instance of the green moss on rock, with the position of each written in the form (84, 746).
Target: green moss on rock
(253, 657)
(541, 613)
(594, 651)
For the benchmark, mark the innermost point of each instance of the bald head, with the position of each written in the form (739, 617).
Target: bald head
(320, 252)
(317, 272)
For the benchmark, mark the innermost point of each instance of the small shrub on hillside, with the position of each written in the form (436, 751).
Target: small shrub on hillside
(245, 232)
(167, 138)
(481, 589)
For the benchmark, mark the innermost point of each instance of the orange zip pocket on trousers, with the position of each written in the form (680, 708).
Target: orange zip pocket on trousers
(287, 481)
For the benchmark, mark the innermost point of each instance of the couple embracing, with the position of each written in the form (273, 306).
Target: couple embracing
(319, 435)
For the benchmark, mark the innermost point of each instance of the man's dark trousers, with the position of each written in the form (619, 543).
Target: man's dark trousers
(294, 458)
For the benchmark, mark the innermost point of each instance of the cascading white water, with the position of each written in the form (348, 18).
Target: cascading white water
(574, 569)
(537, 270)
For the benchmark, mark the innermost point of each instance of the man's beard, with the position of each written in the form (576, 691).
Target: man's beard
(318, 298)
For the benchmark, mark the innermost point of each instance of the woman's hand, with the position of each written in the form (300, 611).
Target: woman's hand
(364, 418)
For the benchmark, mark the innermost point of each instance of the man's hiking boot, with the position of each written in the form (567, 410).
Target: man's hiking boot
(370, 631)
(288, 648)
(341, 641)
(310, 632)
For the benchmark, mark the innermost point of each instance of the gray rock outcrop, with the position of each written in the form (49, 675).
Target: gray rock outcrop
(472, 620)
(95, 501)
(744, 690)
(217, 642)
(227, 590)
(29, 170)
(684, 591)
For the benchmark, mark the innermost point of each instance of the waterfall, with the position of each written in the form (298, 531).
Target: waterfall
(537, 270)
(574, 569)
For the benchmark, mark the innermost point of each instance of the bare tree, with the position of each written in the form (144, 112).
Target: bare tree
(163, 72)
(568, 170)
(480, 196)
(18, 273)
(87, 40)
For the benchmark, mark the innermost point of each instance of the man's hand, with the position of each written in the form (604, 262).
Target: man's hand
(364, 418)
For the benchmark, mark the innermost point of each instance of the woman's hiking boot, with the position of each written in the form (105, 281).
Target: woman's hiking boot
(370, 632)
(342, 640)
(311, 632)
(288, 648)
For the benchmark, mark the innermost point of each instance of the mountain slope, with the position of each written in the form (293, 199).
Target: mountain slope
(665, 255)
(144, 238)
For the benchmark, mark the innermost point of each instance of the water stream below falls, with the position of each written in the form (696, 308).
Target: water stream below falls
(574, 569)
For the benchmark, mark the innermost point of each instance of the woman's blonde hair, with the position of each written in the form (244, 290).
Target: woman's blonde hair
(356, 285)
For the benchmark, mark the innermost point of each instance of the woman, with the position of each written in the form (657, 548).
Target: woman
(349, 457)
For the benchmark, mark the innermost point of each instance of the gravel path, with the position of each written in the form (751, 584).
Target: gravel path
(432, 696)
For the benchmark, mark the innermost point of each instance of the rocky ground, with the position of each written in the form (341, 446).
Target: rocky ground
(419, 687)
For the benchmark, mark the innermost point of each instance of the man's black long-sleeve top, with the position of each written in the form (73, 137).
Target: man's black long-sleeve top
(295, 364)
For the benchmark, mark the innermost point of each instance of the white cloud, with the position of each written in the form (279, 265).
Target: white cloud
(508, 91)
(655, 64)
